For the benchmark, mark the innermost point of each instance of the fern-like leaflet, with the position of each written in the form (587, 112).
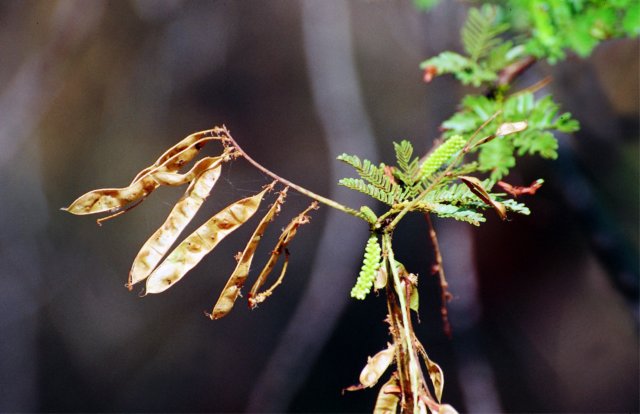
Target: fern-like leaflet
(480, 32)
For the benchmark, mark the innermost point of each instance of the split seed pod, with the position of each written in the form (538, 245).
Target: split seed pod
(197, 245)
(110, 199)
(182, 213)
(237, 279)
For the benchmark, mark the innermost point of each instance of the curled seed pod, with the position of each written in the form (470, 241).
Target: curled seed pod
(441, 155)
(287, 235)
(369, 268)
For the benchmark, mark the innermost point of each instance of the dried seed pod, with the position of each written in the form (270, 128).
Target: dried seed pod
(380, 281)
(182, 213)
(198, 138)
(254, 298)
(435, 373)
(476, 188)
(376, 366)
(107, 199)
(509, 128)
(195, 246)
(388, 397)
(237, 279)
(177, 179)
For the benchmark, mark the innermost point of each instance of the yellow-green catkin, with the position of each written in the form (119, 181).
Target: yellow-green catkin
(441, 155)
(370, 265)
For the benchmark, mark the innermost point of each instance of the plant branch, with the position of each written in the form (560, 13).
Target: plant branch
(439, 178)
(284, 181)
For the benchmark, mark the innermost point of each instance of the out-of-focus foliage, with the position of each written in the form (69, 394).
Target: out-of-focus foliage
(496, 35)
(425, 5)
(552, 27)
(499, 155)
(485, 52)
(438, 184)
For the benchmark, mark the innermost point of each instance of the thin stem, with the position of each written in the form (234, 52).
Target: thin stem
(508, 74)
(284, 181)
(534, 88)
(444, 286)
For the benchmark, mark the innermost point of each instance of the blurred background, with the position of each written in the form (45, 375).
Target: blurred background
(545, 309)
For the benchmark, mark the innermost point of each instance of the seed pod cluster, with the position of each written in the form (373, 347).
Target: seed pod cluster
(441, 155)
(369, 268)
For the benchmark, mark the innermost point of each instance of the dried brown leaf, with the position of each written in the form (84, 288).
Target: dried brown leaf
(182, 213)
(199, 243)
(287, 235)
(237, 279)
(476, 188)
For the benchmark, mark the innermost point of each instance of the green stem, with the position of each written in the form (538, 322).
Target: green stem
(296, 187)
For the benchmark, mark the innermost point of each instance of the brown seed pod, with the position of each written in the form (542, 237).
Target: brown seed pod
(202, 241)
(237, 279)
(285, 238)
(182, 213)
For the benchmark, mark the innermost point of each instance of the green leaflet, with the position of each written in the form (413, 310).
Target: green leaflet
(486, 53)
(375, 182)
(498, 156)
(388, 197)
(369, 268)
(480, 32)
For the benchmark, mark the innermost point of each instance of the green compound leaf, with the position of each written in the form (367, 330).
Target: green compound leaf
(375, 182)
(390, 197)
(407, 166)
(370, 265)
(480, 32)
